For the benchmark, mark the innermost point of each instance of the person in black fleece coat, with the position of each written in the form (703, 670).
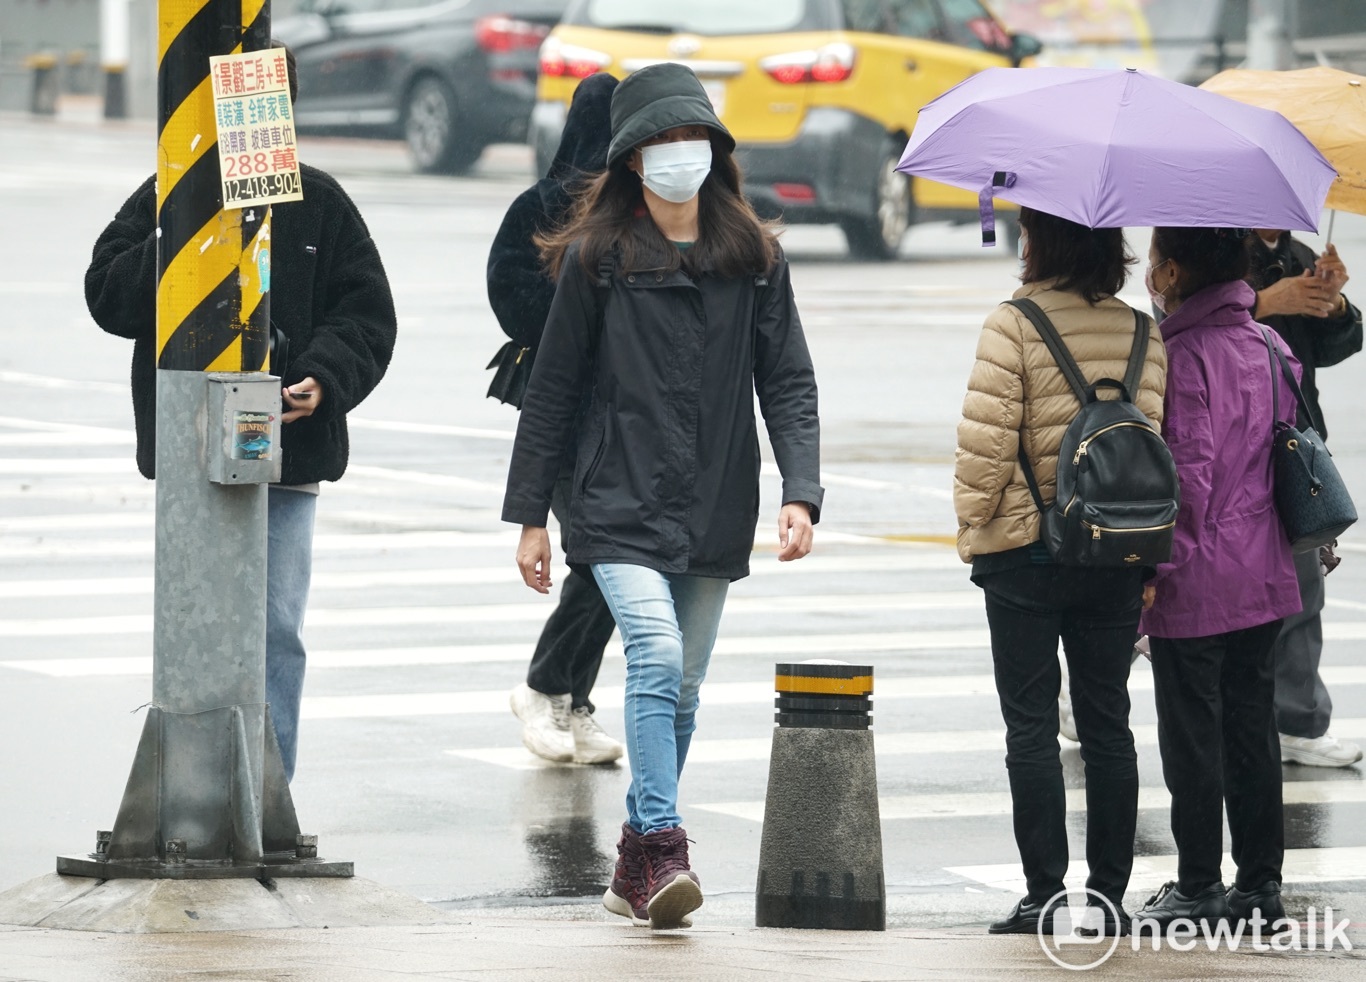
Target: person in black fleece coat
(554, 703)
(330, 297)
(1322, 328)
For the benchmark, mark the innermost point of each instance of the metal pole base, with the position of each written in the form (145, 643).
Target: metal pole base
(180, 820)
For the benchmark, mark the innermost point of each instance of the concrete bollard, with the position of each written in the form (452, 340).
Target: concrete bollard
(820, 859)
(46, 84)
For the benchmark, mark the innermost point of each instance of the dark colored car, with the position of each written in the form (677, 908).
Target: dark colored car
(449, 76)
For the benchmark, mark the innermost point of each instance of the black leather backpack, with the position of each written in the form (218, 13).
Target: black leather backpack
(1118, 492)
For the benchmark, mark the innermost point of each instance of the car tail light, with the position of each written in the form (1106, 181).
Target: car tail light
(795, 192)
(832, 63)
(559, 59)
(501, 33)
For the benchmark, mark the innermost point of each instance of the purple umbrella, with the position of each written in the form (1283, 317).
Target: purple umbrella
(1109, 149)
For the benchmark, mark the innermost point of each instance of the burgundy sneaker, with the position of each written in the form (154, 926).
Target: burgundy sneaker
(626, 896)
(673, 890)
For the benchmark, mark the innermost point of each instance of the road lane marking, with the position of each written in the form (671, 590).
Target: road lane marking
(532, 613)
(386, 541)
(935, 559)
(51, 382)
(1330, 865)
(54, 466)
(914, 743)
(324, 543)
(38, 524)
(993, 804)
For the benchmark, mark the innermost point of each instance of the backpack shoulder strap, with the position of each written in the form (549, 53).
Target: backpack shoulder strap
(1138, 355)
(602, 288)
(1050, 336)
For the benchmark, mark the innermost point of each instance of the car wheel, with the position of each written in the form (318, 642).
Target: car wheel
(877, 236)
(432, 129)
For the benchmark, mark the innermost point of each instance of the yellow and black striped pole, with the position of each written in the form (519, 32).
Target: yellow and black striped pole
(213, 310)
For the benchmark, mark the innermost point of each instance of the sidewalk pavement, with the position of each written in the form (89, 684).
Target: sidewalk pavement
(572, 943)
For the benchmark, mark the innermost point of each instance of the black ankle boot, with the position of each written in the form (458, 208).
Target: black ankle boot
(1170, 904)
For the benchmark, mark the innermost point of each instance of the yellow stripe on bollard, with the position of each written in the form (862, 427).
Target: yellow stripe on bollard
(213, 307)
(861, 685)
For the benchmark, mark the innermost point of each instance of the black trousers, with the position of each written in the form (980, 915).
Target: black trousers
(1217, 732)
(1095, 613)
(569, 652)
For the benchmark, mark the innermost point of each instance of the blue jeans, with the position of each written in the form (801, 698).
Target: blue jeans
(289, 567)
(668, 626)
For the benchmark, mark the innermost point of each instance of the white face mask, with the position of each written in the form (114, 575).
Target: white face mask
(675, 171)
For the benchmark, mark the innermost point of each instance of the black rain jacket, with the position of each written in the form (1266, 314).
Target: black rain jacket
(667, 471)
(328, 294)
(1317, 342)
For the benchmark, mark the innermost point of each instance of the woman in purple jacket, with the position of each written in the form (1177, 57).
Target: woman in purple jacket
(1215, 610)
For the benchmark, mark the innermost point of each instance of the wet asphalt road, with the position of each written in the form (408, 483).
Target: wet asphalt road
(410, 763)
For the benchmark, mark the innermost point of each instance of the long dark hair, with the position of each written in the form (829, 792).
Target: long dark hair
(1088, 261)
(1206, 255)
(608, 216)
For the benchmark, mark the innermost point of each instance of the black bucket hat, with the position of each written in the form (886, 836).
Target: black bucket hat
(655, 99)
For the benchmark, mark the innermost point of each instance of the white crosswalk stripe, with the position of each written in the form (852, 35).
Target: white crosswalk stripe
(997, 803)
(1301, 866)
(888, 745)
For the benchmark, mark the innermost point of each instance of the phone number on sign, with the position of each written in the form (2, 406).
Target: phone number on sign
(263, 186)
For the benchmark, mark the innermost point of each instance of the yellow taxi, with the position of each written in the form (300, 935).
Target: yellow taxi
(821, 95)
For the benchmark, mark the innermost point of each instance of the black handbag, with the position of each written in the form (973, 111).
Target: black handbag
(1311, 498)
(512, 372)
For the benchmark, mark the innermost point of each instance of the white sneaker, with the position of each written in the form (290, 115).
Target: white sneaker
(1067, 723)
(545, 723)
(1324, 751)
(592, 745)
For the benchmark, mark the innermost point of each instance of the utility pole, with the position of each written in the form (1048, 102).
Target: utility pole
(1271, 30)
(207, 796)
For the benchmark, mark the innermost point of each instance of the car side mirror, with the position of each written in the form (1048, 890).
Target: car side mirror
(1023, 46)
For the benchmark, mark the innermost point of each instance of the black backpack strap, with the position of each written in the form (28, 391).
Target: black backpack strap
(1050, 336)
(1134, 375)
(1070, 371)
(1029, 473)
(602, 289)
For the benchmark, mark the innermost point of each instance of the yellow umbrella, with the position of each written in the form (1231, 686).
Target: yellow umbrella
(1327, 105)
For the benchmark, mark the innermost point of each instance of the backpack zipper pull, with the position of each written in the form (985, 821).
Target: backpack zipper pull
(1081, 452)
(1095, 531)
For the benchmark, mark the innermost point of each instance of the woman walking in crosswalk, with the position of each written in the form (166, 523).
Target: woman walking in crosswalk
(673, 307)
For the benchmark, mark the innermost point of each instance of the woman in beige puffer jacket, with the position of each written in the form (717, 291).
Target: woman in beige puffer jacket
(1019, 402)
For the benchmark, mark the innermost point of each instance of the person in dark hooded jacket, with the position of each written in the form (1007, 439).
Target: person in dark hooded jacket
(553, 703)
(330, 298)
(673, 308)
(1299, 296)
